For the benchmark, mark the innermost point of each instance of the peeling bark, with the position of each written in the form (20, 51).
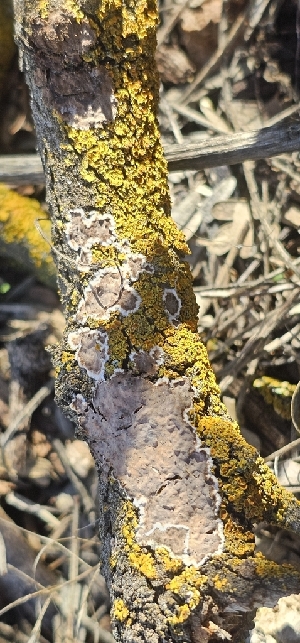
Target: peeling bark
(180, 488)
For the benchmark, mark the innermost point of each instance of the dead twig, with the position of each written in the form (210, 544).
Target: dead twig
(26, 413)
(256, 343)
(87, 501)
(229, 149)
(23, 504)
(215, 59)
(170, 23)
(286, 449)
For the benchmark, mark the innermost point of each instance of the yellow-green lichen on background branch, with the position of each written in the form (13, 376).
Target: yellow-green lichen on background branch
(276, 393)
(24, 230)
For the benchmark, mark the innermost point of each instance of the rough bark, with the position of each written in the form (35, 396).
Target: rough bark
(180, 488)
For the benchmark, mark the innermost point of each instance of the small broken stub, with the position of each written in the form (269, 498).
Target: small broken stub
(139, 431)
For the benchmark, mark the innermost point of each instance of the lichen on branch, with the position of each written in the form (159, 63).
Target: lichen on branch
(180, 487)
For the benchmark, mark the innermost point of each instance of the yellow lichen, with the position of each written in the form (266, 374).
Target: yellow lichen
(138, 558)
(182, 614)
(107, 256)
(268, 569)
(113, 561)
(246, 482)
(75, 297)
(43, 8)
(187, 586)
(186, 355)
(120, 611)
(128, 157)
(122, 161)
(239, 542)
(142, 561)
(67, 357)
(170, 563)
(72, 7)
(221, 583)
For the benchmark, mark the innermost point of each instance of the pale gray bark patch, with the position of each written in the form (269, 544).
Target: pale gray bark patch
(92, 351)
(105, 293)
(280, 624)
(139, 431)
(129, 301)
(80, 91)
(146, 363)
(84, 230)
(137, 264)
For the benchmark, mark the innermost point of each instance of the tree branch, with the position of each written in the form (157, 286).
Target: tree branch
(211, 152)
(180, 489)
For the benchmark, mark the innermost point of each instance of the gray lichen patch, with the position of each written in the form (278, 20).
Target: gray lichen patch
(83, 97)
(91, 350)
(83, 230)
(172, 303)
(60, 34)
(135, 265)
(129, 301)
(78, 90)
(102, 293)
(106, 293)
(137, 431)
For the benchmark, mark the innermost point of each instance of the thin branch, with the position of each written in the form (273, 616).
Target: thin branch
(286, 449)
(27, 411)
(228, 149)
